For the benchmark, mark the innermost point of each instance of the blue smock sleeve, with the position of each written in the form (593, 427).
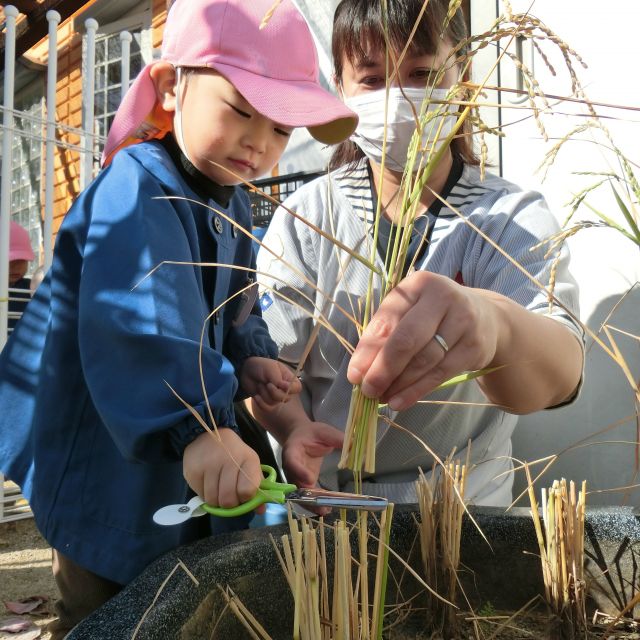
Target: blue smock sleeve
(140, 332)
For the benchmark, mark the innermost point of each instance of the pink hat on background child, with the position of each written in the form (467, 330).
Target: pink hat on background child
(19, 244)
(275, 68)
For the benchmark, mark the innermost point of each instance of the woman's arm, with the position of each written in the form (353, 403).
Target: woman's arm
(542, 358)
(398, 360)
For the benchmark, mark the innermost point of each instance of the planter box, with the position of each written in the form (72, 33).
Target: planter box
(506, 574)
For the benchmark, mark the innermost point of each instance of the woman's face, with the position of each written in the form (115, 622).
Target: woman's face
(416, 71)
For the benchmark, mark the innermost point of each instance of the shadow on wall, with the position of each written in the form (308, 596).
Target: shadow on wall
(596, 434)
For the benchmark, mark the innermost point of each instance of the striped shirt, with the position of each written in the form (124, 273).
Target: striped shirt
(307, 280)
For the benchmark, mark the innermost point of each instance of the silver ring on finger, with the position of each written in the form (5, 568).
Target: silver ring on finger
(441, 341)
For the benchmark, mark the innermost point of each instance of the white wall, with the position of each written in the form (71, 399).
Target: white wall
(303, 153)
(604, 263)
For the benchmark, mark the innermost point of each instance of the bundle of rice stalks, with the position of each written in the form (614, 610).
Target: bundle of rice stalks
(462, 107)
(560, 537)
(342, 607)
(441, 503)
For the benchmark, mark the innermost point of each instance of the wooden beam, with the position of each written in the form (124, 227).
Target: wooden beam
(24, 6)
(30, 31)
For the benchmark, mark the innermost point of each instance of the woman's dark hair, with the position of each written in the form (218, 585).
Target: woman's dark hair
(359, 22)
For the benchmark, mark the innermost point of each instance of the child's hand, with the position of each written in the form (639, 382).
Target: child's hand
(304, 450)
(272, 381)
(224, 471)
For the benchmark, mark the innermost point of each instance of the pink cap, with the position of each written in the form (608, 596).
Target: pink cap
(19, 243)
(275, 68)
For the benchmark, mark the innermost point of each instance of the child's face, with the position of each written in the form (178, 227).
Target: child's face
(416, 71)
(17, 270)
(219, 125)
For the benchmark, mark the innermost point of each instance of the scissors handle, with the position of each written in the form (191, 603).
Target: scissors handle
(269, 491)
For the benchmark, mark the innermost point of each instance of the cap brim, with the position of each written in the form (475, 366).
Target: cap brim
(294, 104)
(21, 255)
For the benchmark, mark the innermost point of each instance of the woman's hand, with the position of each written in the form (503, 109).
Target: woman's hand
(399, 361)
(304, 450)
(430, 329)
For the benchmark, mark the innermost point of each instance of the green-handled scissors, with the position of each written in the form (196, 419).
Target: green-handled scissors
(270, 491)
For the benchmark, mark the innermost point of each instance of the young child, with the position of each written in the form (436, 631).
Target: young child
(464, 307)
(92, 384)
(20, 255)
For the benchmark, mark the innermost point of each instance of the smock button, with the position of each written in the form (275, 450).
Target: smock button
(234, 231)
(217, 223)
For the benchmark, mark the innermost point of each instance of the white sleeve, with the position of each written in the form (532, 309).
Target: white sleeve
(518, 223)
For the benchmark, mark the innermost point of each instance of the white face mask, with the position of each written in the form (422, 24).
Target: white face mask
(401, 123)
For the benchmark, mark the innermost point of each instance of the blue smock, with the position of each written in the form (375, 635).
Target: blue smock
(89, 427)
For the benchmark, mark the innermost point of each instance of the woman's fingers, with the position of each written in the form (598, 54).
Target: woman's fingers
(411, 387)
(427, 330)
(401, 328)
(297, 472)
(426, 366)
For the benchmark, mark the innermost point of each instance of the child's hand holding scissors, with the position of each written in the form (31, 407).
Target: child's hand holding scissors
(270, 490)
(222, 469)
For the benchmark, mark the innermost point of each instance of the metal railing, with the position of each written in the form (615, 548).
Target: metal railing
(279, 188)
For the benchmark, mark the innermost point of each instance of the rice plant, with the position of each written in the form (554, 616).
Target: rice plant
(442, 506)
(330, 586)
(560, 536)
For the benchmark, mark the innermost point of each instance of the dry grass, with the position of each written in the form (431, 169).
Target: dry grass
(560, 537)
(442, 506)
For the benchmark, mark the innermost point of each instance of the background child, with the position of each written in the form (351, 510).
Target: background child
(86, 381)
(20, 255)
(465, 307)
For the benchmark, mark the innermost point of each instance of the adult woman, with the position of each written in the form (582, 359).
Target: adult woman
(465, 306)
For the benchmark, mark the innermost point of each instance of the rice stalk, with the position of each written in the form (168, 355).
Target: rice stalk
(347, 606)
(358, 452)
(382, 572)
(255, 630)
(267, 16)
(560, 538)
(363, 570)
(623, 183)
(179, 565)
(441, 504)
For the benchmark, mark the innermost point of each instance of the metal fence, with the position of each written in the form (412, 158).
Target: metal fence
(278, 189)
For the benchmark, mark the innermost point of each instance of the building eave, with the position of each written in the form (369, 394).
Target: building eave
(32, 25)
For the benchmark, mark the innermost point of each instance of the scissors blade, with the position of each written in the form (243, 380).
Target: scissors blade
(337, 500)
